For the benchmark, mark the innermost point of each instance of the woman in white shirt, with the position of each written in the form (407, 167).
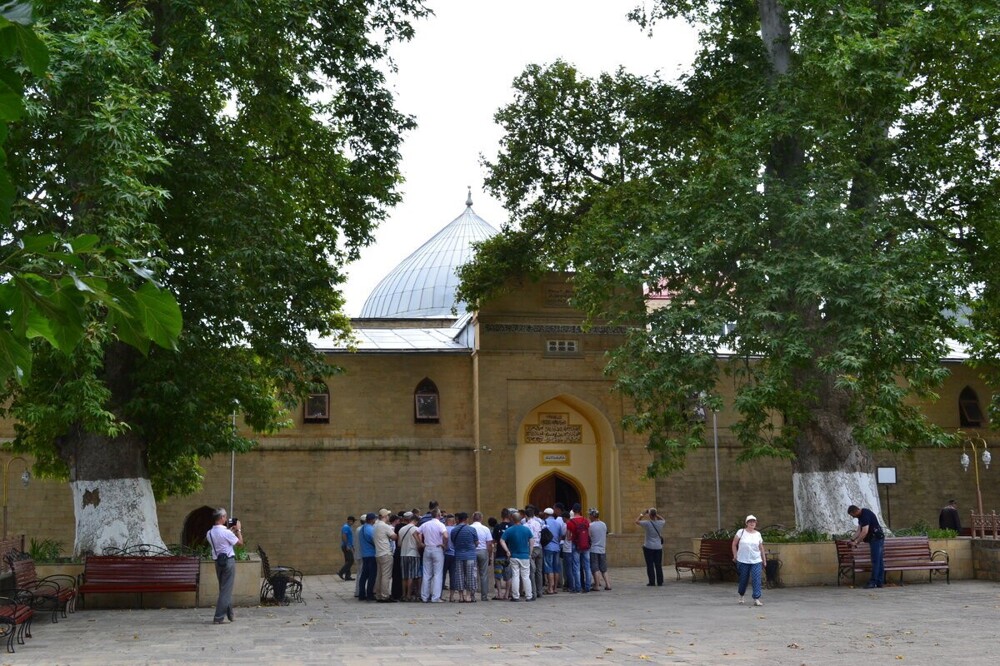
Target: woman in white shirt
(748, 552)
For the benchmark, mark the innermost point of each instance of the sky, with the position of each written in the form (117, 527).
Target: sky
(457, 72)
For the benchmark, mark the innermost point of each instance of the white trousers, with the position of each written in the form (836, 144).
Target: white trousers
(520, 575)
(433, 580)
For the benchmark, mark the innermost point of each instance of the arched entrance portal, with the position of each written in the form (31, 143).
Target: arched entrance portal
(554, 488)
(566, 452)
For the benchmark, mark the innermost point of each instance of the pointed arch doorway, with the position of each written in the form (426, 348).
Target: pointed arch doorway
(552, 488)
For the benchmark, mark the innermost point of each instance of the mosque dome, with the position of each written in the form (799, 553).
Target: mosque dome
(424, 284)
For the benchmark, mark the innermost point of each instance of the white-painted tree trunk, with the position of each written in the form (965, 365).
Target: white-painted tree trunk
(114, 512)
(821, 499)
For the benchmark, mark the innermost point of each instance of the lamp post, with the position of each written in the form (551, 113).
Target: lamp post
(965, 460)
(718, 495)
(25, 478)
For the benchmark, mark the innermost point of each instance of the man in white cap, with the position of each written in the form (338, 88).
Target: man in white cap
(552, 551)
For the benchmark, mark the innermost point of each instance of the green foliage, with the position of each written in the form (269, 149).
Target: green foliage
(833, 192)
(242, 152)
(50, 281)
(45, 550)
(774, 534)
(780, 534)
(923, 528)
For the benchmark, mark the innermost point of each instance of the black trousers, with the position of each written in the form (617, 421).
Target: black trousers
(654, 565)
(345, 570)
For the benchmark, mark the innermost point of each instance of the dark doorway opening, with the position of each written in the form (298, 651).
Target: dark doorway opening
(196, 526)
(554, 488)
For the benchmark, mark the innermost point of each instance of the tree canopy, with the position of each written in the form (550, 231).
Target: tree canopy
(817, 198)
(241, 151)
(49, 281)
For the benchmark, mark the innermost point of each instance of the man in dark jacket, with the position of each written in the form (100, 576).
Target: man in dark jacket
(949, 518)
(871, 533)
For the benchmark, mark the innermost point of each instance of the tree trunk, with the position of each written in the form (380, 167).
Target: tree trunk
(114, 513)
(831, 471)
(112, 495)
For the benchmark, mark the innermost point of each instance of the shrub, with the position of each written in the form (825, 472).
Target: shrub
(44, 550)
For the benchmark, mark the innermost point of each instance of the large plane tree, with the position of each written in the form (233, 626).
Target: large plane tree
(811, 199)
(243, 151)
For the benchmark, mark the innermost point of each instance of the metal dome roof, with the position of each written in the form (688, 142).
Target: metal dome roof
(424, 284)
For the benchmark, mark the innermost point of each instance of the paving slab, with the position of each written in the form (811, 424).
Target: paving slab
(679, 623)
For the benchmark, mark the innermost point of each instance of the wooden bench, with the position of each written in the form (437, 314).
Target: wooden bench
(714, 556)
(110, 574)
(16, 613)
(900, 554)
(56, 592)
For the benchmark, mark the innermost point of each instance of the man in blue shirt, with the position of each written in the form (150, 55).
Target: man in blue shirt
(369, 565)
(870, 532)
(347, 546)
(517, 541)
(553, 550)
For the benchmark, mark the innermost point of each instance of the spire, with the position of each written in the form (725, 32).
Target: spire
(468, 199)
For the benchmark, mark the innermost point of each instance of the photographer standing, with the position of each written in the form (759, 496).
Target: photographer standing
(652, 547)
(222, 537)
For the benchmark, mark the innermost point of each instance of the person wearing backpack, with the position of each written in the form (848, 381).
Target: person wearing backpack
(652, 548)
(578, 531)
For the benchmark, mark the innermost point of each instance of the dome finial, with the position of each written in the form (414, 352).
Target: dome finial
(468, 199)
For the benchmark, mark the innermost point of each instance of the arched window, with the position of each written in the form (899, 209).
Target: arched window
(970, 415)
(426, 402)
(316, 408)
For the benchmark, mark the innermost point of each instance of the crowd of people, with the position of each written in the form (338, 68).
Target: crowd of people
(525, 554)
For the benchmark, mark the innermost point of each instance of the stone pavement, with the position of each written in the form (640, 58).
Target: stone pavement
(680, 623)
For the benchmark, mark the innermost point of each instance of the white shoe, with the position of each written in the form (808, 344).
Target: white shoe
(741, 601)
(758, 602)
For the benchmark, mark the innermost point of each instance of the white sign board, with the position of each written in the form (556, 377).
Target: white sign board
(886, 475)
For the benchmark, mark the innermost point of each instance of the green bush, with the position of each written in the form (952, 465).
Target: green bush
(45, 550)
(782, 534)
(774, 534)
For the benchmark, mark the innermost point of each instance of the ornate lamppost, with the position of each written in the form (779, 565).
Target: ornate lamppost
(25, 479)
(965, 460)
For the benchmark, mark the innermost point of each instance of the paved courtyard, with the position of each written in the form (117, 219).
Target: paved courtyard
(680, 623)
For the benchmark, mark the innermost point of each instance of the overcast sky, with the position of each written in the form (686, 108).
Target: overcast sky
(454, 76)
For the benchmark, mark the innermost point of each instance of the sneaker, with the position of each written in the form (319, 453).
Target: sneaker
(742, 601)
(758, 602)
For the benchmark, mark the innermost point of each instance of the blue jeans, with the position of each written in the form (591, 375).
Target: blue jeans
(366, 581)
(580, 558)
(551, 561)
(654, 564)
(877, 547)
(752, 573)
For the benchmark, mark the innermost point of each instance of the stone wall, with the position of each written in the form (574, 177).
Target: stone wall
(926, 477)
(986, 559)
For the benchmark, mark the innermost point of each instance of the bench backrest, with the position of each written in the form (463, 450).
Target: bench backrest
(845, 551)
(157, 568)
(265, 564)
(713, 549)
(24, 571)
(8, 547)
(897, 549)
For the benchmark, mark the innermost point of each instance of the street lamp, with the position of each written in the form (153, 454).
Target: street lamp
(965, 460)
(25, 479)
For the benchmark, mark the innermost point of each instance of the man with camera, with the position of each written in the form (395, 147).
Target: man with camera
(221, 538)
